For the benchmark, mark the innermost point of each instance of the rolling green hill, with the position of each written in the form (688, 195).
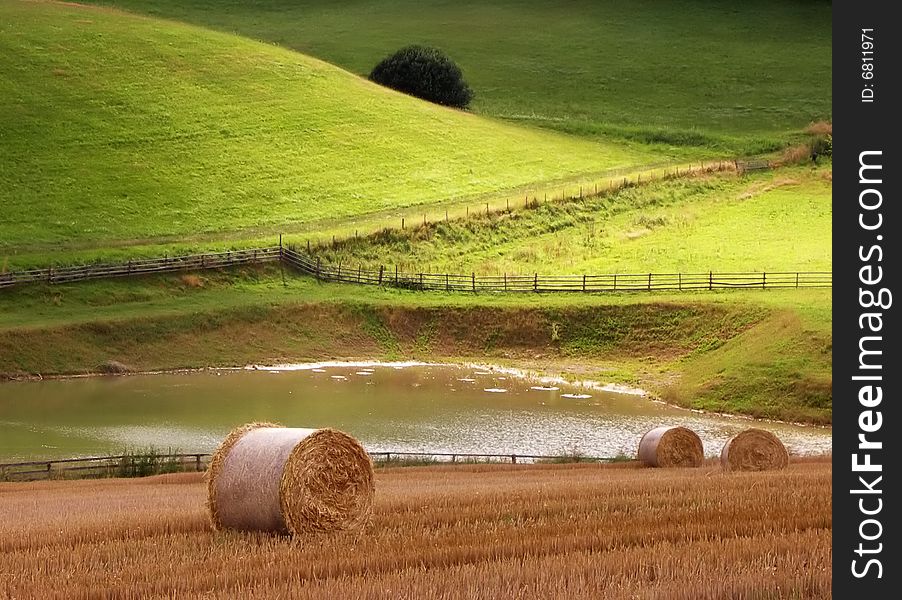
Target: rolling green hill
(770, 221)
(119, 128)
(736, 76)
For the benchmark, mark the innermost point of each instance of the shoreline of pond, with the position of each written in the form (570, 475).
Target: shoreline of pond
(519, 372)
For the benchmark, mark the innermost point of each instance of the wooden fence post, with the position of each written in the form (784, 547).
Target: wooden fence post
(402, 222)
(396, 273)
(649, 282)
(474, 283)
(513, 459)
(763, 280)
(447, 283)
(797, 279)
(535, 282)
(505, 281)
(710, 280)
(584, 282)
(308, 246)
(318, 267)
(680, 280)
(421, 281)
(381, 271)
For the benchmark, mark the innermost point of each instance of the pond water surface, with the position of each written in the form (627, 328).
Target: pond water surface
(417, 408)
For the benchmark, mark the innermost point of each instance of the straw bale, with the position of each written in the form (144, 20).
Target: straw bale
(754, 450)
(265, 477)
(671, 447)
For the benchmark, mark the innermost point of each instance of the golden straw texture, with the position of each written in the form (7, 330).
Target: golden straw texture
(286, 480)
(671, 447)
(754, 450)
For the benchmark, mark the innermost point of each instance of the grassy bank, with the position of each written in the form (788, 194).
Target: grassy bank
(126, 130)
(765, 353)
(773, 221)
(736, 77)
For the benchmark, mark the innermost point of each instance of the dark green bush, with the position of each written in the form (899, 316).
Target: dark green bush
(426, 73)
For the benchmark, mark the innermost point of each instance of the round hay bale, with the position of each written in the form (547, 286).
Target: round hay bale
(265, 477)
(754, 450)
(671, 447)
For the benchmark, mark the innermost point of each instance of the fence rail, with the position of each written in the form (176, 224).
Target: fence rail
(192, 262)
(111, 466)
(447, 282)
(100, 466)
(624, 282)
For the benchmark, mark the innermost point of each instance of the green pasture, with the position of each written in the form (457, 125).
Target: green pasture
(771, 221)
(121, 129)
(738, 77)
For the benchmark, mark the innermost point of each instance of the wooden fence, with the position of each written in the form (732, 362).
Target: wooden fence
(100, 466)
(113, 466)
(446, 282)
(636, 282)
(192, 262)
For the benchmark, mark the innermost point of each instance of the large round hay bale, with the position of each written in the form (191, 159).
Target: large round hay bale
(265, 477)
(754, 450)
(671, 447)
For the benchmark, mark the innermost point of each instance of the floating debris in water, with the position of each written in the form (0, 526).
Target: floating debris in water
(542, 388)
(466, 379)
(364, 373)
(576, 396)
(318, 370)
(338, 377)
(495, 390)
(482, 372)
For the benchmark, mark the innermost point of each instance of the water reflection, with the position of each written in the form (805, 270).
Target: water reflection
(393, 407)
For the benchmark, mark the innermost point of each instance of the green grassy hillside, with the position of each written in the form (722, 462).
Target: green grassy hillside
(119, 128)
(771, 221)
(738, 76)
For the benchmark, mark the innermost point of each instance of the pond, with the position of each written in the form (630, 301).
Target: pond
(388, 407)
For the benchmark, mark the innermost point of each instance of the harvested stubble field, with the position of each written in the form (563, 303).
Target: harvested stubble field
(491, 531)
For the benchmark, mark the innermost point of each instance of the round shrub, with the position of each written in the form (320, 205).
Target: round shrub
(426, 73)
